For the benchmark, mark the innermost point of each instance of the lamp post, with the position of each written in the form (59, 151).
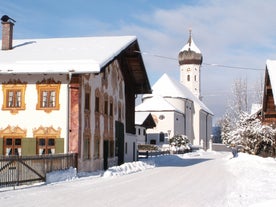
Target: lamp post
(169, 132)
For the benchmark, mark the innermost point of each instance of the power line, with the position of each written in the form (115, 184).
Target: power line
(235, 67)
(206, 64)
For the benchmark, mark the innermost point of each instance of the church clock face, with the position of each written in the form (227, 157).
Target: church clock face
(188, 69)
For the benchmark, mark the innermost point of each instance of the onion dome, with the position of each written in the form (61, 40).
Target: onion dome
(190, 54)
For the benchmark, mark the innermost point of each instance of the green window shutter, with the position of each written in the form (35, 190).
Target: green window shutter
(28, 146)
(1, 146)
(59, 144)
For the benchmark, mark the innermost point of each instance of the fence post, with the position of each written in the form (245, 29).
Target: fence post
(76, 161)
(17, 182)
(211, 144)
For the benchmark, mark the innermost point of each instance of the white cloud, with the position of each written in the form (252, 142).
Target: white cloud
(234, 33)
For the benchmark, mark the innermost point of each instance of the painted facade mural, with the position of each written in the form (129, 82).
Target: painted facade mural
(30, 105)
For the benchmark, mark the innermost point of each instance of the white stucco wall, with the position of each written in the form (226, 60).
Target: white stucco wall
(130, 147)
(196, 124)
(194, 84)
(30, 118)
(205, 129)
(169, 122)
(141, 137)
(189, 112)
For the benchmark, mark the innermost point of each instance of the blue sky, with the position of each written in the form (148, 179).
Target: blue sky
(233, 33)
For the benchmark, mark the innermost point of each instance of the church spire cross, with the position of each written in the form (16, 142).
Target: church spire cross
(190, 37)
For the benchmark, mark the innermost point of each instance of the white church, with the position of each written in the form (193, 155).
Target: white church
(176, 106)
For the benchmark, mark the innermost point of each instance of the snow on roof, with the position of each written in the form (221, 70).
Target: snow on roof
(155, 103)
(140, 117)
(190, 46)
(271, 68)
(255, 108)
(167, 87)
(59, 55)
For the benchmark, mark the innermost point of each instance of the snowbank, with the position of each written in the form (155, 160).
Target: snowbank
(124, 169)
(61, 175)
(246, 180)
(255, 180)
(127, 168)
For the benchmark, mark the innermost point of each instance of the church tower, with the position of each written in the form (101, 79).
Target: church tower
(190, 60)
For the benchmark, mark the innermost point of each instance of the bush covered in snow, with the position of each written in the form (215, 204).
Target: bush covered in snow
(180, 143)
(251, 135)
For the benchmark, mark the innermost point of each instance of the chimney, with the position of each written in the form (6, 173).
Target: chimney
(7, 35)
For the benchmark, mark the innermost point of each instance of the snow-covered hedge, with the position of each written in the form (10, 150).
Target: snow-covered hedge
(251, 135)
(147, 147)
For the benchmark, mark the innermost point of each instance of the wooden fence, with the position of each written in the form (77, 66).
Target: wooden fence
(146, 154)
(18, 170)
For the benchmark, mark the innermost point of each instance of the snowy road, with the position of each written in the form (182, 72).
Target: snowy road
(192, 181)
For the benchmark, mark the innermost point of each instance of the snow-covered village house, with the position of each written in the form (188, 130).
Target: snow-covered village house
(176, 106)
(70, 95)
(143, 121)
(269, 103)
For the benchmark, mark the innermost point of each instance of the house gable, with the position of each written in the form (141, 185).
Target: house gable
(269, 110)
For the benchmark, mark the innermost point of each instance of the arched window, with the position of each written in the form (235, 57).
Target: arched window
(161, 137)
(188, 77)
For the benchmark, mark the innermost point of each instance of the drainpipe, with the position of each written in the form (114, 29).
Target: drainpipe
(68, 109)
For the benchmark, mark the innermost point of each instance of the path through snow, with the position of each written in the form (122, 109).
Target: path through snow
(194, 179)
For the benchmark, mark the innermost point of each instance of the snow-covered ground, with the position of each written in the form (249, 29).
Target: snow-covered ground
(193, 179)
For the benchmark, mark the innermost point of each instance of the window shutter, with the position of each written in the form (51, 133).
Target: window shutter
(59, 145)
(1, 146)
(28, 146)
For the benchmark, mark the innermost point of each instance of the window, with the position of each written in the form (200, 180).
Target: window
(45, 145)
(161, 137)
(86, 148)
(105, 107)
(14, 96)
(48, 95)
(195, 77)
(119, 111)
(188, 77)
(111, 109)
(46, 139)
(87, 101)
(48, 99)
(96, 148)
(12, 146)
(12, 138)
(111, 147)
(162, 117)
(126, 148)
(97, 104)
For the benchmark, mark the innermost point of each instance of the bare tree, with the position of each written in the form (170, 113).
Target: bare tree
(237, 125)
(258, 90)
(238, 102)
